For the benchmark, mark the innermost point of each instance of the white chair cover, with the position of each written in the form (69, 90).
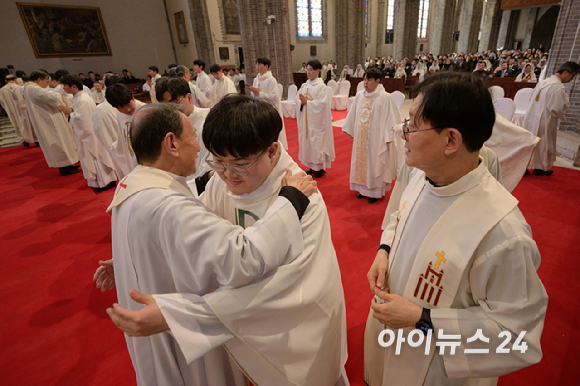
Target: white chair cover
(340, 101)
(496, 92)
(522, 99)
(288, 107)
(505, 107)
(399, 98)
(333, 85)
(359, 88)
(280, 90)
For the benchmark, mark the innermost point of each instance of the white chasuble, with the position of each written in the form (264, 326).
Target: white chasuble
(105, 124)
(26, 129)
(50, 125)
(96, 161)
(164, 241)
(289, 327)
(547, 104)
(475, 268)
(374, 157)
(9, 102)
(121, 150)
(203, 82)
(198, 97)
(314, 121)
(220, 89)
(269, 92)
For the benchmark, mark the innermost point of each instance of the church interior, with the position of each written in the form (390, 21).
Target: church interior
(56, 229)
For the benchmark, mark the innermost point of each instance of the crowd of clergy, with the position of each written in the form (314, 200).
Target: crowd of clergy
(266, 238)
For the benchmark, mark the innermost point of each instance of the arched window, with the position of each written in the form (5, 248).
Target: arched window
(391, 14)
(423, 18)
(309, 18)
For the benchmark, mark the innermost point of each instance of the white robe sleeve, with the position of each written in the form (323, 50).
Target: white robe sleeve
(349, 126)
(508, 296)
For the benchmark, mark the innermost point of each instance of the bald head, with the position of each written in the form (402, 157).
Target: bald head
(10, 79)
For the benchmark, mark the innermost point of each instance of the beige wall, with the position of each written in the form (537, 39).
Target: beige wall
(219, 37)
(137, 31)
(186, 53)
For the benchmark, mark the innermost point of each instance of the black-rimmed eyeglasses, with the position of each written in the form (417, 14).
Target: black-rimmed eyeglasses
(237, 169)
(406, 130)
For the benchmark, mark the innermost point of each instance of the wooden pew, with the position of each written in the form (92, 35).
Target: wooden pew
(390, 84)
(509, 86)
(299, 79)
(138, 93)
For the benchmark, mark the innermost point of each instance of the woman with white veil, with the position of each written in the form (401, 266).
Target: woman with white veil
(420, 70)
(359, 73)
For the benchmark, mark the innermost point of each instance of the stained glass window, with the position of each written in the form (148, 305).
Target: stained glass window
(309, 18)
(367, 18)
(423, 18)
(391, 14)
(231, 17)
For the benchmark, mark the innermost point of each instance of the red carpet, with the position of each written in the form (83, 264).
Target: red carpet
(54, 230)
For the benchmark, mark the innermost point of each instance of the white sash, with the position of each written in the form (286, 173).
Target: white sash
(142, 178)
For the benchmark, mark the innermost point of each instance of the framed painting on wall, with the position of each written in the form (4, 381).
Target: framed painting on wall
(181, 30)
(63, 30)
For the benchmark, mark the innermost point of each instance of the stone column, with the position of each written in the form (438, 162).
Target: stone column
(469, 23)
(260, 39)
(406, 24)
(503, 27)
(566, 47)
(491, 22)
(512, 27)
(441, 35)
(381, 25)
(532, 17)
(201, 31)
(350, 32)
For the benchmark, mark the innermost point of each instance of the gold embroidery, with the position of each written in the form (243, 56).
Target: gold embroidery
(362, 141)
(430, 282)
(128, 140)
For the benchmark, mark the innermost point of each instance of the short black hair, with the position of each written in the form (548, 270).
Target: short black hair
(571, 67)
(200, 63)
(60, 73)
(373, 73)
(171, 73)
(265, 62)
(154, 68)
(181, 70)
(20, 73)
(80, 73)
(91, 72)
(38, 74)
(113, 79)
(171, 65)
(458, 100)
(150, 126)
(118, 95)
(71, 80)
(315, 64)
(215, 68)
(124, 70)
(176, 87)
(241, 126)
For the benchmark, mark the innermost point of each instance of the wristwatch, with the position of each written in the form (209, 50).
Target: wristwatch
(424, 324)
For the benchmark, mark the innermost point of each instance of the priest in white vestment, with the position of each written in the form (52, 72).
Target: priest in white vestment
(289, 327)
(165, 240)
(314, 119)
(97, 93)
(370, 122)
(25, 125)
(266, 88)
(121, 98)
(202, 80)
(547, 104)
(176, 90)
(221, 87)
(9, 102)
(154, 74)
(458, 264)
(50, 124)
(96, 161)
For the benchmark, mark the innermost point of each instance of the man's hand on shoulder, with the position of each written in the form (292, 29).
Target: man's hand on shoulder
(300, 181)
(147, 321)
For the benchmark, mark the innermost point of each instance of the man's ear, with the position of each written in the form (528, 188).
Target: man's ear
(170, 145)
(454, 141)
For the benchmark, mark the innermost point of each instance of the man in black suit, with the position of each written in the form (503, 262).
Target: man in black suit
(503, 71)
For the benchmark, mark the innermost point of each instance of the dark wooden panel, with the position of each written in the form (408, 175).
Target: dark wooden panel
(509, 86)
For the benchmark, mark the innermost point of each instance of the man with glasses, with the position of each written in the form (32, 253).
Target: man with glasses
(288, 327)
(459, 261)
(177, 90)
(370, 122)
(165, 240)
